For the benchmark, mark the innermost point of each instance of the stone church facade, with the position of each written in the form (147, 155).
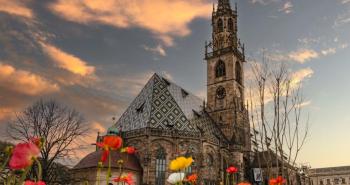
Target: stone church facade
(165, 121)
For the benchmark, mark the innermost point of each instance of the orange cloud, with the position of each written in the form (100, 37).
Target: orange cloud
(67, 61)
(303, 55)
(301, 75)
(24, 82)
(5, 112)
(98, 127)
(296, 80)
(162, 17)
(16, 7)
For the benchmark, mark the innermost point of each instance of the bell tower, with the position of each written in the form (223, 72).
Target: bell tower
(225, 59)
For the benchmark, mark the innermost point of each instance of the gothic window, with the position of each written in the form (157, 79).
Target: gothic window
(209, 160)
(220, 69)
(189, 153)
(238, 73)
(230, 24)
(160, 166)
(220, 25)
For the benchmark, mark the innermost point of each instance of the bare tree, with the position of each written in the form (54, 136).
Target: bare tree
(279, 130)
(60, 126)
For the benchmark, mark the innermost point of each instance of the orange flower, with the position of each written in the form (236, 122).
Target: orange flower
(23, 155)
(109, 143)
(244, 183)
(277, 181)
(192, 178)
(232, 170)
(125, 178)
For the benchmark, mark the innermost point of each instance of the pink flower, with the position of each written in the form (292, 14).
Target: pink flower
(29, 182)
(125, 178)
(23, 155)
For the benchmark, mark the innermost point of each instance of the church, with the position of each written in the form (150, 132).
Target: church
(165, 121)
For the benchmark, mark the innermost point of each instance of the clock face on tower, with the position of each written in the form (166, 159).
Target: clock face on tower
(220, 92)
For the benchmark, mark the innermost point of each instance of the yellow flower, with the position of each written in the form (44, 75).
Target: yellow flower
(180, 163)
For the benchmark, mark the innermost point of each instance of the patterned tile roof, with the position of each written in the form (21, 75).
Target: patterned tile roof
(162, 104)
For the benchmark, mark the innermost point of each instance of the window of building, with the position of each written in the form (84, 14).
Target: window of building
(209, 160)
(321, 182)
(189, 153)
(328, 181)
(220, 25)
(336, 181)
(160, 166)
(230, 24)
(343, 181)
(238, 73)
(220, 69)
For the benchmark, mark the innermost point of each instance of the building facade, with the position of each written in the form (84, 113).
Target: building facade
(165, 121)
(330, 176)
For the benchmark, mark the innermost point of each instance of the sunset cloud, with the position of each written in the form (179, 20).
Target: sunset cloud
(300, 76)
(303, 55)
(328, 51)
(296, 79)
(159, 50)
(67, 61)
(24, 82)
(163, 18)
(287, 8)
(98, 127)
(16, 7)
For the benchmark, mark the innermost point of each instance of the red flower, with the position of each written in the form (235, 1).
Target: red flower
(125, 178)
(37, 141)
(192, 178)
(109, 143)
(22, 155)
(232, 170)
(29, 182)
(130, 150)
(277, 181)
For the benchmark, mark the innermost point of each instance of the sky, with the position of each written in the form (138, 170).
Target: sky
(96, 57)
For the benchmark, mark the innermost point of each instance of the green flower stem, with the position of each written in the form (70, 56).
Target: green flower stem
(98, 174)
(227, 179)
(233, 179)
(5, 163)
(109, 169)
(24, 175)
(181, 178)
(40, 170)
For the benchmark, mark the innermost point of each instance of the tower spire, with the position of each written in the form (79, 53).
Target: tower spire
(224, 5)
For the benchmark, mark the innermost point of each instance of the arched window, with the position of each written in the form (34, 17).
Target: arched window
(160, 166)
(230, 24)
(238, 73)
(209, 160)
(220, 69)
(189, 153)
(220, 25)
